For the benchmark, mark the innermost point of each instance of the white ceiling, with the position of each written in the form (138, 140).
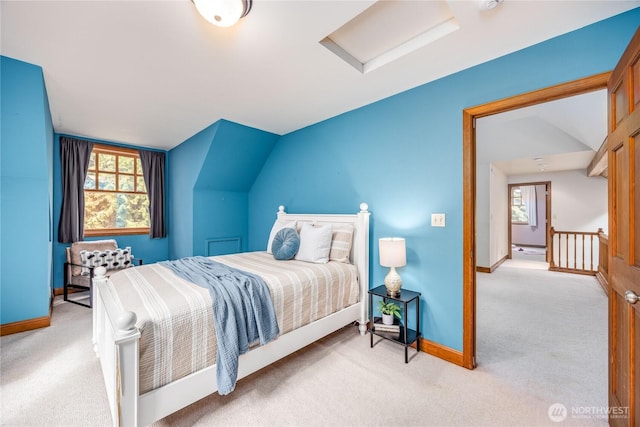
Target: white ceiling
(154, 73)
(550, 137)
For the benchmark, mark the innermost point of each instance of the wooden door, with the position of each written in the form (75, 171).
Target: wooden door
(624, 232)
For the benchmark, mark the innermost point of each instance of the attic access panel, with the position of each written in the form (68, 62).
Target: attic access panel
(388, 30)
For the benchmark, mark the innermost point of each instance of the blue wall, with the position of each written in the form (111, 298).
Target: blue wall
(25, 174)
(403, 156)
(210, 176)
(185, 162)
(143, 247)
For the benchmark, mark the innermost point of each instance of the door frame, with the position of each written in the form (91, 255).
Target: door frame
(469, 116)
(547, 215)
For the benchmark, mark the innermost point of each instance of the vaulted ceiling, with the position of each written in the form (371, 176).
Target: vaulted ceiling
(154, 73)
(549, 137)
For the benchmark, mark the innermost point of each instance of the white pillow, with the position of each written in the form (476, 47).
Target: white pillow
(315, 243)
(277, 226)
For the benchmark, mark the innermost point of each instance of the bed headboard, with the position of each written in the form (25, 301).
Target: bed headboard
(360, 247)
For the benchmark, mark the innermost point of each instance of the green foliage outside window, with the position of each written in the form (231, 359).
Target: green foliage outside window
(519, 215)
(518, 208)
(115, 193)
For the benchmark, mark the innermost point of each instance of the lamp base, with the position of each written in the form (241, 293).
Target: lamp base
(393, 283)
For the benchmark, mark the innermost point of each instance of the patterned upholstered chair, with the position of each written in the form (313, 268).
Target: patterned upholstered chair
(84, 257)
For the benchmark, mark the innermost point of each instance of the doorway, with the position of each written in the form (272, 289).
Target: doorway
(527, 236)
(470, 115)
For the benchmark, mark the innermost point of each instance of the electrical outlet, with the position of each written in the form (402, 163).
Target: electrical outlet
(437, 220)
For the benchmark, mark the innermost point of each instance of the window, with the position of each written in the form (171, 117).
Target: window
(115, 195)
(518, 209)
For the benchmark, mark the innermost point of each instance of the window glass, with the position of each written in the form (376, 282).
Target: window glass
(106, 162)
(116, 199)
(90, 181)
(140, 185)
(126, 183)
(125, 164)
(107, 181)
(518, 209)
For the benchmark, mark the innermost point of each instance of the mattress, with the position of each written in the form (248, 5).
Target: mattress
(175, 316)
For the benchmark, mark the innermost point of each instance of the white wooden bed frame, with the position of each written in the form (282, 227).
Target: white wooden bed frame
(115, 339)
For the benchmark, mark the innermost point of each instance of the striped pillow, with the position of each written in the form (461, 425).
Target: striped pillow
(341, 243)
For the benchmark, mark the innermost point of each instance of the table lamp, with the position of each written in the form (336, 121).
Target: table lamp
(392, 254)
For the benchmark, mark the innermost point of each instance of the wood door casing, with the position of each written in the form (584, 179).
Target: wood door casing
(624, 238)
(547, 217)
(469, 115)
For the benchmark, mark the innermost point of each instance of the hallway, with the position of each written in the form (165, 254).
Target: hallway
(546, 332)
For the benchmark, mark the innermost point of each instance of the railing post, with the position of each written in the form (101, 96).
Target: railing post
(552, 263)
(603, 261)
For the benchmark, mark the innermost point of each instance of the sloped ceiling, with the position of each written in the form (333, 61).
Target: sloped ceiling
(553, 136)
(154, 73)
(238, 171)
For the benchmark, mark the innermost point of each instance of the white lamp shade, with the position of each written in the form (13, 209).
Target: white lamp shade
(223, 13)
(392, 252)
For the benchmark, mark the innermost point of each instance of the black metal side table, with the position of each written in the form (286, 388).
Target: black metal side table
(406, 336)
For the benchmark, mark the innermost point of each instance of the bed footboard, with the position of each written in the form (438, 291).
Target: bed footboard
(115, 340)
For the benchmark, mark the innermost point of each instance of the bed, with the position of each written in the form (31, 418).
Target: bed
(139, 395)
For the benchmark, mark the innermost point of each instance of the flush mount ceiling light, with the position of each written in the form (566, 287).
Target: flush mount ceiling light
(223, 13)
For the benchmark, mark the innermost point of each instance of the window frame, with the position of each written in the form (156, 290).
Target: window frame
(117, 151)
(512, 204)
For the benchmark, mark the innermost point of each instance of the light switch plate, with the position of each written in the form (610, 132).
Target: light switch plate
(437, 220)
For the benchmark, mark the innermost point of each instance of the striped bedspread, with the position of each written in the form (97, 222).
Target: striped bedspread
(176, 320)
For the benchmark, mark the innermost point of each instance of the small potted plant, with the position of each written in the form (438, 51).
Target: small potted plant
(388, 310)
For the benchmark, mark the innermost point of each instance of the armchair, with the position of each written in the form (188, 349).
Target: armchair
(84, 257)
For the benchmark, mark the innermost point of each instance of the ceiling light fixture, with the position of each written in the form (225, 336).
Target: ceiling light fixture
(223, 13)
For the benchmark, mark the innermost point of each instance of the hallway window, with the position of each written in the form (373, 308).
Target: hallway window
(518, 208)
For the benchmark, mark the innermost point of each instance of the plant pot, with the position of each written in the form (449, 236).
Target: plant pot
(387, 319)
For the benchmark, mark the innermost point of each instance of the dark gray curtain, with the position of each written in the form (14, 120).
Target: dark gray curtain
(153, 172)
(74, 157)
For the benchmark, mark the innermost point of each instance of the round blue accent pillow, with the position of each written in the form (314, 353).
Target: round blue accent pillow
(285, 244)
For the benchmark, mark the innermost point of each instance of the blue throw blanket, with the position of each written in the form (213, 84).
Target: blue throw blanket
(243, 312)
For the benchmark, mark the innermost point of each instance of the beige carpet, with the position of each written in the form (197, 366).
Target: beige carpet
(540, 342)
(529, 253)
(544, 332)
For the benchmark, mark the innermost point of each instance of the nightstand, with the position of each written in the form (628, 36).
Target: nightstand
(405, 336)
